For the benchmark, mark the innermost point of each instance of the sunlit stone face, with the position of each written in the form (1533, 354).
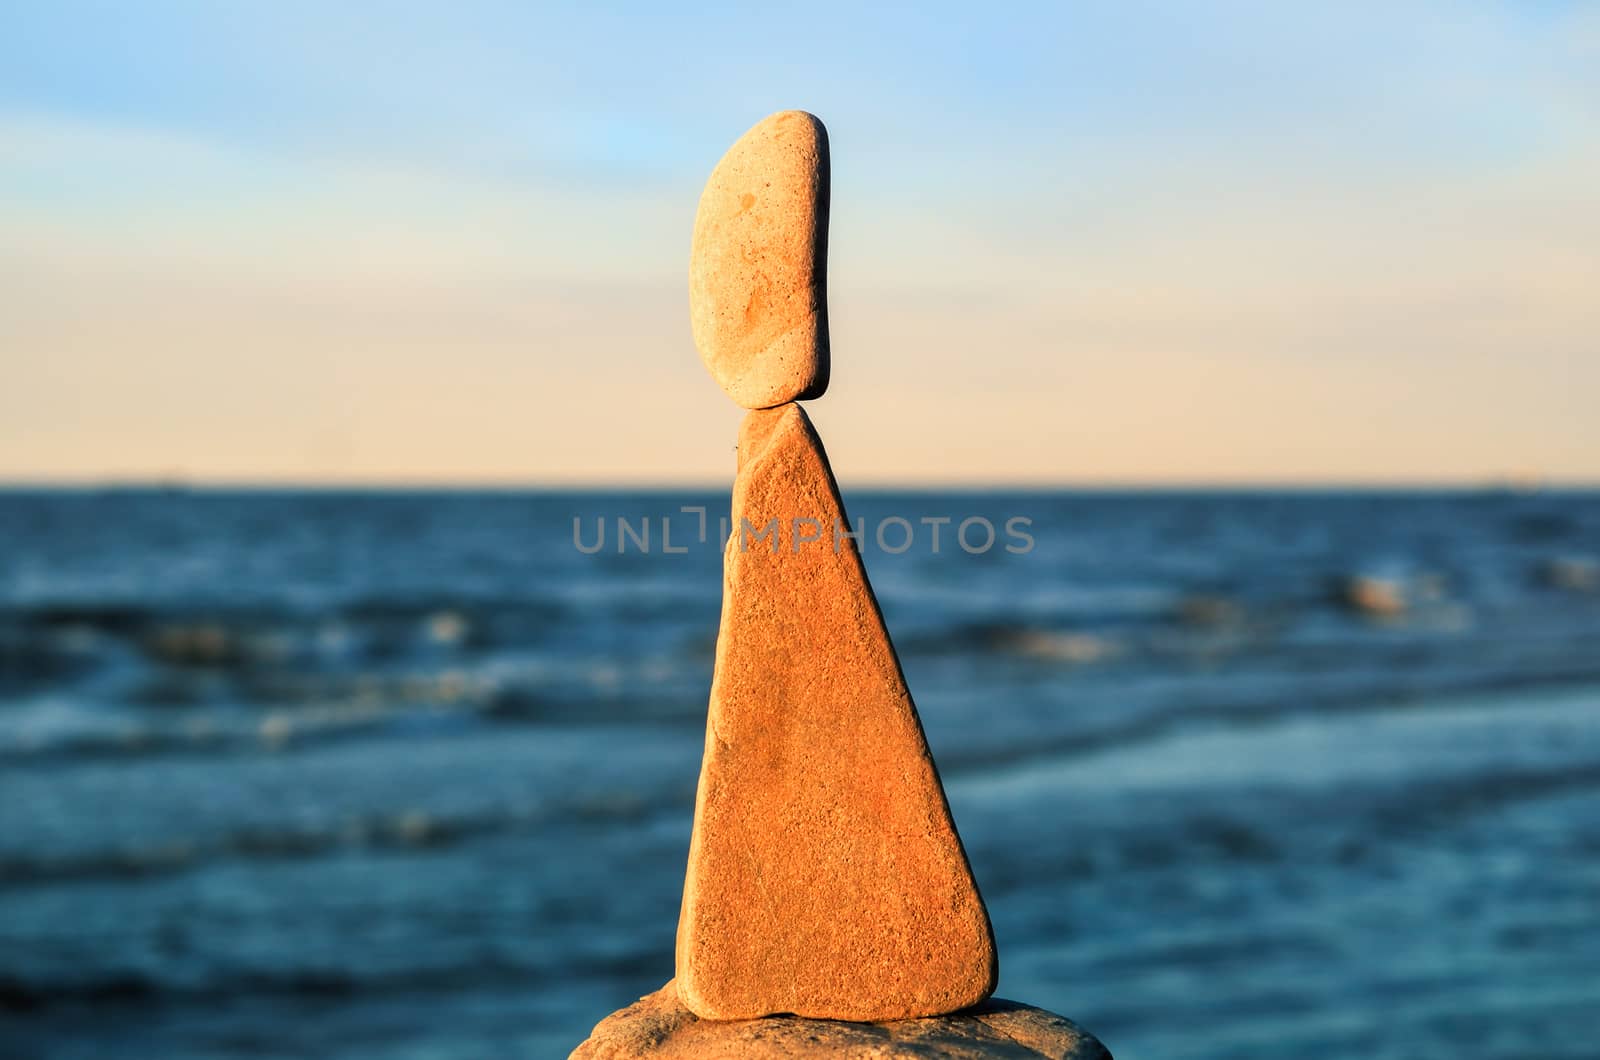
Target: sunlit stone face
(757, 270)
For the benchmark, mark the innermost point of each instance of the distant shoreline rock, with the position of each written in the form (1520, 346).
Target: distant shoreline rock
(659, 1026)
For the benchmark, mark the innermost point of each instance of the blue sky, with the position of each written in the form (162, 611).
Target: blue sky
(1071, 243)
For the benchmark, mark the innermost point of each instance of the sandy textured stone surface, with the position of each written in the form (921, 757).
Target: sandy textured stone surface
(659, 1026)
(825, 876)
(757, 270)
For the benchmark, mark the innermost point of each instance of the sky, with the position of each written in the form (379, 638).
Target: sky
(1078, 244)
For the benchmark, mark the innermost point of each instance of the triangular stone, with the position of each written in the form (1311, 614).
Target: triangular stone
(825, 875)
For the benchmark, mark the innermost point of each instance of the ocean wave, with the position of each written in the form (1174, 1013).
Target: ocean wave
(301, 712)
(1156, 723)
(126, 736)
(1018, 640)
(240, 639)
(407, 830)
(1357, 828)
(22, 994)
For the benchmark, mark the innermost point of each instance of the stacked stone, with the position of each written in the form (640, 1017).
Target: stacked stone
(825, 876)
(826, 880)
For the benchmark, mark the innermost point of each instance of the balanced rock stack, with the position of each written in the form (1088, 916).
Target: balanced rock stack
(826, 881)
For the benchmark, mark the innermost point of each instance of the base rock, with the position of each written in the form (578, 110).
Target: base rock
(659, 1026)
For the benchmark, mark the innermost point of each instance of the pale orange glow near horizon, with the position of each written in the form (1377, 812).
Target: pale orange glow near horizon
(1400, 296)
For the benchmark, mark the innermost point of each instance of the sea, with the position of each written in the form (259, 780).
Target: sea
(383, 774)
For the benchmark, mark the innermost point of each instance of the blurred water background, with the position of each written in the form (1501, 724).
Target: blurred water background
(376, 774)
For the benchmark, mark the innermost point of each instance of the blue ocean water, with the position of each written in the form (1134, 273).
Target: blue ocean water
(371, 774)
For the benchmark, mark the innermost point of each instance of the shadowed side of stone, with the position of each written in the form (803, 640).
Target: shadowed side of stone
(825, 875)
(658, 1025)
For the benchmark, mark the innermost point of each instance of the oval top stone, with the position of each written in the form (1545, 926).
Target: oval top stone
(757, 270)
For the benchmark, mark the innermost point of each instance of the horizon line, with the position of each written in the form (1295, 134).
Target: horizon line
(268, 484)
